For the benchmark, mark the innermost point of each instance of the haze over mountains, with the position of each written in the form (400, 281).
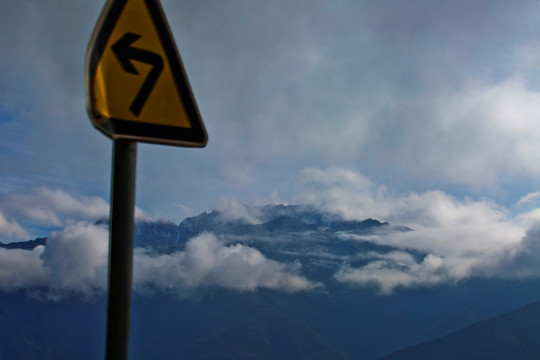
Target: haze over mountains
(267, 282)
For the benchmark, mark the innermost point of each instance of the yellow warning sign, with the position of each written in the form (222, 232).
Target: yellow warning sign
(136, 83)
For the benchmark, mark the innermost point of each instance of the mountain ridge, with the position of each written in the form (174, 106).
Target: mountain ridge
(166, 236)
(25, 245)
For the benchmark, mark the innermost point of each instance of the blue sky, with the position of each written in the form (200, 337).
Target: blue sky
(415, 96)
(420, 113)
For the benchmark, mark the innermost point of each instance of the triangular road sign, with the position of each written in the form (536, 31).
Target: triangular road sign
(136, 85)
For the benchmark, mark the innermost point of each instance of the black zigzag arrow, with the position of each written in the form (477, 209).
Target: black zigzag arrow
(125, 54)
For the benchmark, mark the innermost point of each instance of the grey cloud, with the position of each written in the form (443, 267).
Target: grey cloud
(281, 85)
(42, 90)
(522, 260)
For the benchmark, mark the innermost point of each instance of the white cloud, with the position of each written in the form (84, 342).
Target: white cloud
(395, 269)
(77, 259)
(75, 263)
(12, 229)
(452, 253)
(206, 262)
(51, 208)
(22, 270)
(54, 207)
(478, 135)
(230, 210)
(353, 196)
(460, 238)
(341, 191)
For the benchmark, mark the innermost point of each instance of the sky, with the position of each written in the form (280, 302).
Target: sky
(420, 113)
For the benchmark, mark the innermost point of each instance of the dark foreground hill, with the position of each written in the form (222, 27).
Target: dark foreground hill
(511, 336)
(272, 325)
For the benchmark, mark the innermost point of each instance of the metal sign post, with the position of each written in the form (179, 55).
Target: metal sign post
(136, 90)
(121, 248)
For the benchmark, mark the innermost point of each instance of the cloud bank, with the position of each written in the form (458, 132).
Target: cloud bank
(461, 238)
(453, 239)
(74, 263)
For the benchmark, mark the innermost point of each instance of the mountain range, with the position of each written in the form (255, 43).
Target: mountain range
(268, 221)
(335, 321)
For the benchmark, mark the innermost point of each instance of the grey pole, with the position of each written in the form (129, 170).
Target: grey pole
(121, 248)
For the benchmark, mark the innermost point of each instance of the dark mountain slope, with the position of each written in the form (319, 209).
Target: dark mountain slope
(219, 324)
(35, 329)
(511, 336)
(228, 325)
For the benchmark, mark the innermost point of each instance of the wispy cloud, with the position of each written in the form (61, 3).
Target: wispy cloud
(395, 269)
(230, 210)
(529, 198)
(53, 207)
(49, 208)
(11, 229)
